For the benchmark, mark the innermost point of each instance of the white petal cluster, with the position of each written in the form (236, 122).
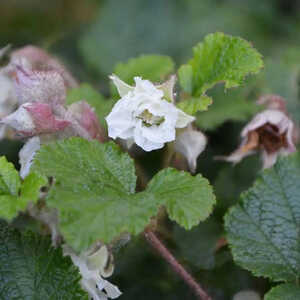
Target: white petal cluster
(92, 269)
(144, 115)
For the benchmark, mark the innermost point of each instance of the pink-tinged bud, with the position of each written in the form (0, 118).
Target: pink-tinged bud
(44, 119)
(270, 132)
(33, 119)
(84, 114)
(39, 86)
(40, 60)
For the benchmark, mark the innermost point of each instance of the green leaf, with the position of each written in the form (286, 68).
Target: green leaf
(286, 291)
(9, 178)
(263, 231)
(95, 192)
(31, 269)
(15, 196)
(31, 186)
(152, 67)
(231, 105)
(86, 92)
(185, 76)
(188, 199)
(194, 105)
(222, 58)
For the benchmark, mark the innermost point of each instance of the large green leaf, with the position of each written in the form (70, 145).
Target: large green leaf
(14, 195)
(220, 58)
(95, 192)
(31, 269)
(285, 291)
(188, 199)
(86, 92)
(264, 230)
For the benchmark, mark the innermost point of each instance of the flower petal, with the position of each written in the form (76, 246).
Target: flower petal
(123, 88)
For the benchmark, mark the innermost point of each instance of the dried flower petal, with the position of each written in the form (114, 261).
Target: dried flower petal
(270, 132)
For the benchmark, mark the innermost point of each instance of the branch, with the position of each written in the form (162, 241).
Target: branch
(154, 241)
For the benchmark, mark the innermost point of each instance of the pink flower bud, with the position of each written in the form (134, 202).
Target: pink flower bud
(33, 119)
(39, 86)
(84, 114)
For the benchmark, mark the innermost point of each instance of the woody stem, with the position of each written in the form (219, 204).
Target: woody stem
(155, 242)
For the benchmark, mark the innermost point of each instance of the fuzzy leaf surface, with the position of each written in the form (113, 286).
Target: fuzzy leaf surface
(221, 58)
(95, 192)
(188, 199)
(264, 229)
(30, 268)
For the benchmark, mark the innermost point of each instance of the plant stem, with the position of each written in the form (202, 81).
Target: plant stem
(154, 241)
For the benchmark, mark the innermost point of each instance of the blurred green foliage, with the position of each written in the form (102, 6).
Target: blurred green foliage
(92, 36)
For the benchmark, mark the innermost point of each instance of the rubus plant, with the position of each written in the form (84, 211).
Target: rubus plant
(81, 181)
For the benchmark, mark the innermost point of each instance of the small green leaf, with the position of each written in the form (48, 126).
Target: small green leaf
(94, 192)
(14, 197)
(285, 291)
(188, 199)
(185, 76)
(194, 105)
(222, 58)
(9, 178)
(87, 93)
(263, 231)
(31, 186)
(152, 67)
(31, 269)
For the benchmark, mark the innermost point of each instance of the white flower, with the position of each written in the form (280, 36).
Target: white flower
(26, 155)
(270, 132)
(190, 143)
(92, 268)
(144, 115)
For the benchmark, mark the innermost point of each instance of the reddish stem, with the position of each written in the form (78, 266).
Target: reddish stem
(176, 266)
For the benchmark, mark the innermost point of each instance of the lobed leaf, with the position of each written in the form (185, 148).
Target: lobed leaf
(188, 199)
(222, 58)
(95, 192)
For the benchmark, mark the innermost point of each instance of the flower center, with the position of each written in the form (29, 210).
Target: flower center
(149, 119)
